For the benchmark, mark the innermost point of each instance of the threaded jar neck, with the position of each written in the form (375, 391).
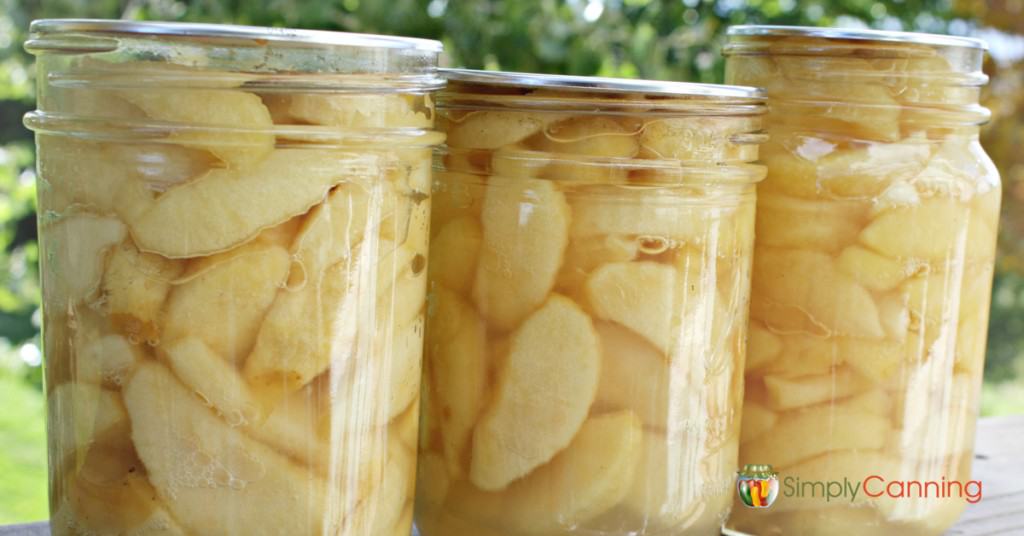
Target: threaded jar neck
(935, 79)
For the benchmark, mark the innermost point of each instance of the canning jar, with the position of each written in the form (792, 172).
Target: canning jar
(233, 232)
(876, 232)
(587, 308)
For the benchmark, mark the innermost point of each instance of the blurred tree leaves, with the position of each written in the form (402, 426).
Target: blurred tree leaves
(18, 252)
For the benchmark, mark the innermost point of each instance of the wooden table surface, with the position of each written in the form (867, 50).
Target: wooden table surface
(998, 463)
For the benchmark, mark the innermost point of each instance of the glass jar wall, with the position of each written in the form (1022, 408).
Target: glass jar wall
(233, 225)
(589, 278)
(872, 272)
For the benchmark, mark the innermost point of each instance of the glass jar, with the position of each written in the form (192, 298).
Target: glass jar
(876, 231)
(587, 307)
(233, 225)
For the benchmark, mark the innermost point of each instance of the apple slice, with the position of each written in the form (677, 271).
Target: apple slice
(244, 134)
(986, 202)
(875, 401)
(757, 420)
(696, 138)
(401, 286)
(333, 229)
(636, 376)
(894, 315)
(358, 111)
(582, 169)
(406, 214)
(971, 335)
(224, 304)
(350, 412)
(976, 289)
(406, 427)
(878, 361)
(931, 299)
(584, 255)
(640, 295)
(456, 195)
(226, 207)
(857, 110)
(494, 129)
(457, 355)
(214, 380)
(291, 429)
(934, 230)
(823, 225)
(587, 479)
(127, 506)
(735, 233)
(792, 167)
(379, 512)
(105, 490)
(865, 171)
(401, 354)
(200, 466)
(935, 412)
(670, 485)
(454, 253)
(797, 392)
(801, 435)
(107, 360)
(112, 178)
(956, 170)
(762, 346)
(916, 82)
(615, 211)
(79, 413)
(78, 247)
(525, 232)
(542, 396)
(875, 272)
(602, 136)
(816, 292)
(282, 234)
(96, 103)
(135, 286)
(804, 355)
(285, 358)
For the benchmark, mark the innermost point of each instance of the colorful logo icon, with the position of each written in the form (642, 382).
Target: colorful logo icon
(758, 485)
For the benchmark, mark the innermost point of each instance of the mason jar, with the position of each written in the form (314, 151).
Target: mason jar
(586, 318)
(233, 232)
(876, 231)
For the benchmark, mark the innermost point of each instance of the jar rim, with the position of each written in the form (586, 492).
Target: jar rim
(598, 84)
(856, 34)
(254, 35)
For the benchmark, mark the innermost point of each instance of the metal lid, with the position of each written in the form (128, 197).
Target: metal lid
(599, 84)
(858, 35)
(255, 34)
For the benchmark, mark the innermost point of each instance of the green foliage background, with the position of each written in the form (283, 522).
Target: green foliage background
(660, 39)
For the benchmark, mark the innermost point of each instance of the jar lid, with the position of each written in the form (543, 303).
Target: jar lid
(254, 35)
(597, 84)
(858, 35)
